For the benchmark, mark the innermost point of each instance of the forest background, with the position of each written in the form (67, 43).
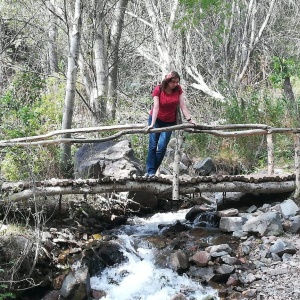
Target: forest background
(73, 64)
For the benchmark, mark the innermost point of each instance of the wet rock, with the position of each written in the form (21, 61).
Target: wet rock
(201, 258)
(204, 274)
(176, 227)
(195, 211)
(179, 261)
(228, 212)
(76, 285)
(207, 219)
(178, 297)
(111, 253)
(58, 281)
(97, 295)
(53, 295)
(231, 224)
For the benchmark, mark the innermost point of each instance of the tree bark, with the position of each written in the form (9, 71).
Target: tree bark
(114, 44)
(288, 89)
(52, 34)
(74, 44)
(99, 99)
(179, 142)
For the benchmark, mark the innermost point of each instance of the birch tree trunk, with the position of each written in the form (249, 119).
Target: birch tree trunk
(179, 141)
(114, 43)
(99, 99)
(74, 44)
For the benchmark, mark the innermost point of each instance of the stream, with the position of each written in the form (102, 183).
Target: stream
(139, 278)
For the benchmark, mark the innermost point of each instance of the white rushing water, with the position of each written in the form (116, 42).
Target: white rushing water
(139, 278)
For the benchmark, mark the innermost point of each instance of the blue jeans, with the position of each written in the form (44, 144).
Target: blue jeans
(158, 143)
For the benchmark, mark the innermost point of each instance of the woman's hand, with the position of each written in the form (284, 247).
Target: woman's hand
(149, 127)
(191, 121)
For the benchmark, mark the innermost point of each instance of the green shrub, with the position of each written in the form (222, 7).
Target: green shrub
(30, 106)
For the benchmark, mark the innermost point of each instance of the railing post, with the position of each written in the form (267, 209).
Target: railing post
(270, 148)
(179, 141)
(297, 166)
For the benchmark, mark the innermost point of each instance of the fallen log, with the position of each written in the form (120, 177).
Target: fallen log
(154, 187)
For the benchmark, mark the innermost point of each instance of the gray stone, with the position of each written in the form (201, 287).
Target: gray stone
(228, 212)
(265, 224)
(179, 260)
(115, 159)
(231, 224)
(219, 248)
(205, 167)
(251, 209)
(289, 208)
(280, 247)
(295, 225)
(76, 284)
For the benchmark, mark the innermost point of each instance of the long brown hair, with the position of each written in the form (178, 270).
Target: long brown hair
(169, 77)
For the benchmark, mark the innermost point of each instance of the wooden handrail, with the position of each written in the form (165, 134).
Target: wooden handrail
(227, 130)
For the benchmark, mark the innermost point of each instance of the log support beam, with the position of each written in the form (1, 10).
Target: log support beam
(158, 188)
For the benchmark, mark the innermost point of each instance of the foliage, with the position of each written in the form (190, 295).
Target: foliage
(3, 294)
(243, 154)
(259, 109)
(140, 146)
(26, 111)
(282, 68)
(204, 4)
(195, 10)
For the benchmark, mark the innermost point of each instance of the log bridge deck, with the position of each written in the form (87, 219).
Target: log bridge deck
(159, 185)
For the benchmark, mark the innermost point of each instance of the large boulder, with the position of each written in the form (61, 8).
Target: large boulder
(205, 167)
(115, 159)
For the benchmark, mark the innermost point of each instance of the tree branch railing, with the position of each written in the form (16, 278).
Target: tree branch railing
(228, 131)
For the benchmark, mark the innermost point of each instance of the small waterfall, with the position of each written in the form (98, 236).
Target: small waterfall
(207, 219)
(139, 278)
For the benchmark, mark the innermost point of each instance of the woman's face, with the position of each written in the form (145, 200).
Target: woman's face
(173, 83)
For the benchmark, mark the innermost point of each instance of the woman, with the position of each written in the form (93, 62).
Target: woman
(167, 97)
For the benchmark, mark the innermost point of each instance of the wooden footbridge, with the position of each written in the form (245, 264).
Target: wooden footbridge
(161, 185)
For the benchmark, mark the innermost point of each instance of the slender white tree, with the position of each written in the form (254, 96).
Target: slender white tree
(74, 44)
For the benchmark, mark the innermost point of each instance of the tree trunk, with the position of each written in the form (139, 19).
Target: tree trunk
(288, 89)
(52, 34)
(99, 95)
(74, 44)
(114, 42)
(179, 142)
